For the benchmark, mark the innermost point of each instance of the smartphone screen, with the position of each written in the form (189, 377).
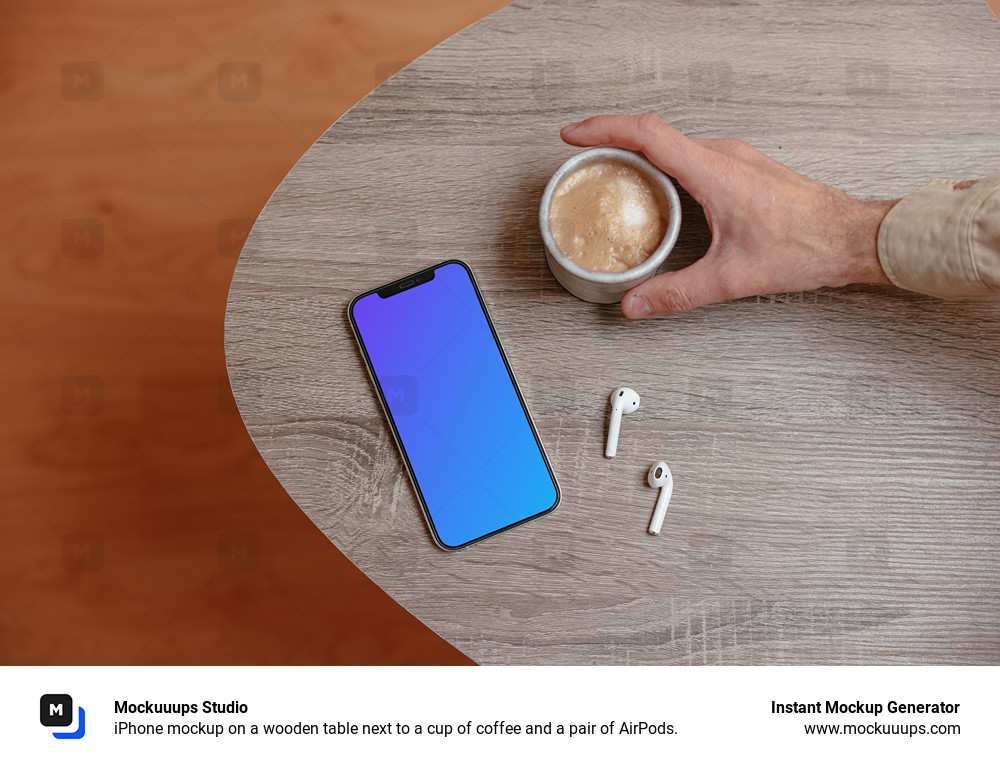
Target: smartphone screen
(462, 427)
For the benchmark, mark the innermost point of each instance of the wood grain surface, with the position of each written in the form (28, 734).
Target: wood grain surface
(836, 454)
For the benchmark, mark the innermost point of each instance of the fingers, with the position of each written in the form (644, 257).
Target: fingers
(697, 285)
(722, 175)
(686, 160)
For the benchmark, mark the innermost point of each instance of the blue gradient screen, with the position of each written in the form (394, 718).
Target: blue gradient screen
(477, 464)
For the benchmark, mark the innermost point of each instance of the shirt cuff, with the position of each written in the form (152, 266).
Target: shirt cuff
(944, 239)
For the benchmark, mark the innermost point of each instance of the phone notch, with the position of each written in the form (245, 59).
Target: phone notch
(406, 283)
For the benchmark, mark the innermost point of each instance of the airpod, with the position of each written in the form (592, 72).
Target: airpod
(624, 401)
(660, 476)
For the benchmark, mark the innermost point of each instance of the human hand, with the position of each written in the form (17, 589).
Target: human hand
(773, 230)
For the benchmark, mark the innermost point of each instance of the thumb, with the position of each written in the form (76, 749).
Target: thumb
(676, 291)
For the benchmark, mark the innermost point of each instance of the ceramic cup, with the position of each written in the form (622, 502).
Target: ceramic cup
(603, 286)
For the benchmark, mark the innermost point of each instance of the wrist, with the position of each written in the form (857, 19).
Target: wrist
(863, 264)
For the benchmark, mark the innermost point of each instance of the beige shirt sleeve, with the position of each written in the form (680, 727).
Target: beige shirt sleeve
(944, 239)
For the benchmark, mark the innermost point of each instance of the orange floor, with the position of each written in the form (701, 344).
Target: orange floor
(137, 522)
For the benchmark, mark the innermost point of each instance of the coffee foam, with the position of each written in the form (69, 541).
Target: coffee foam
(608, 216)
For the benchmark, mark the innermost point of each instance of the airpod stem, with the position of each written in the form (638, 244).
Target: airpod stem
(613, 430)
(660, 512)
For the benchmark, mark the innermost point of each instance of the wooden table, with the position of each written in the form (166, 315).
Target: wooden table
(836, 454)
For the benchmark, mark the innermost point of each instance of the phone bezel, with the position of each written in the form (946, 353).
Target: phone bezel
(392, 288)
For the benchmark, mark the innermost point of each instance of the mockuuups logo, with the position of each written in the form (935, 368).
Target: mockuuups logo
(57, 710)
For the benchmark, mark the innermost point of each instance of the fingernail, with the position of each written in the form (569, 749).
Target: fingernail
(570, 127)
(636, 307)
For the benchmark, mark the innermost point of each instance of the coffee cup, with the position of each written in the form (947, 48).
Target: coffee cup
(600, 286)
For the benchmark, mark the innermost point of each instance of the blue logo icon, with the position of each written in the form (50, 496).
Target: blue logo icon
(57, 710)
